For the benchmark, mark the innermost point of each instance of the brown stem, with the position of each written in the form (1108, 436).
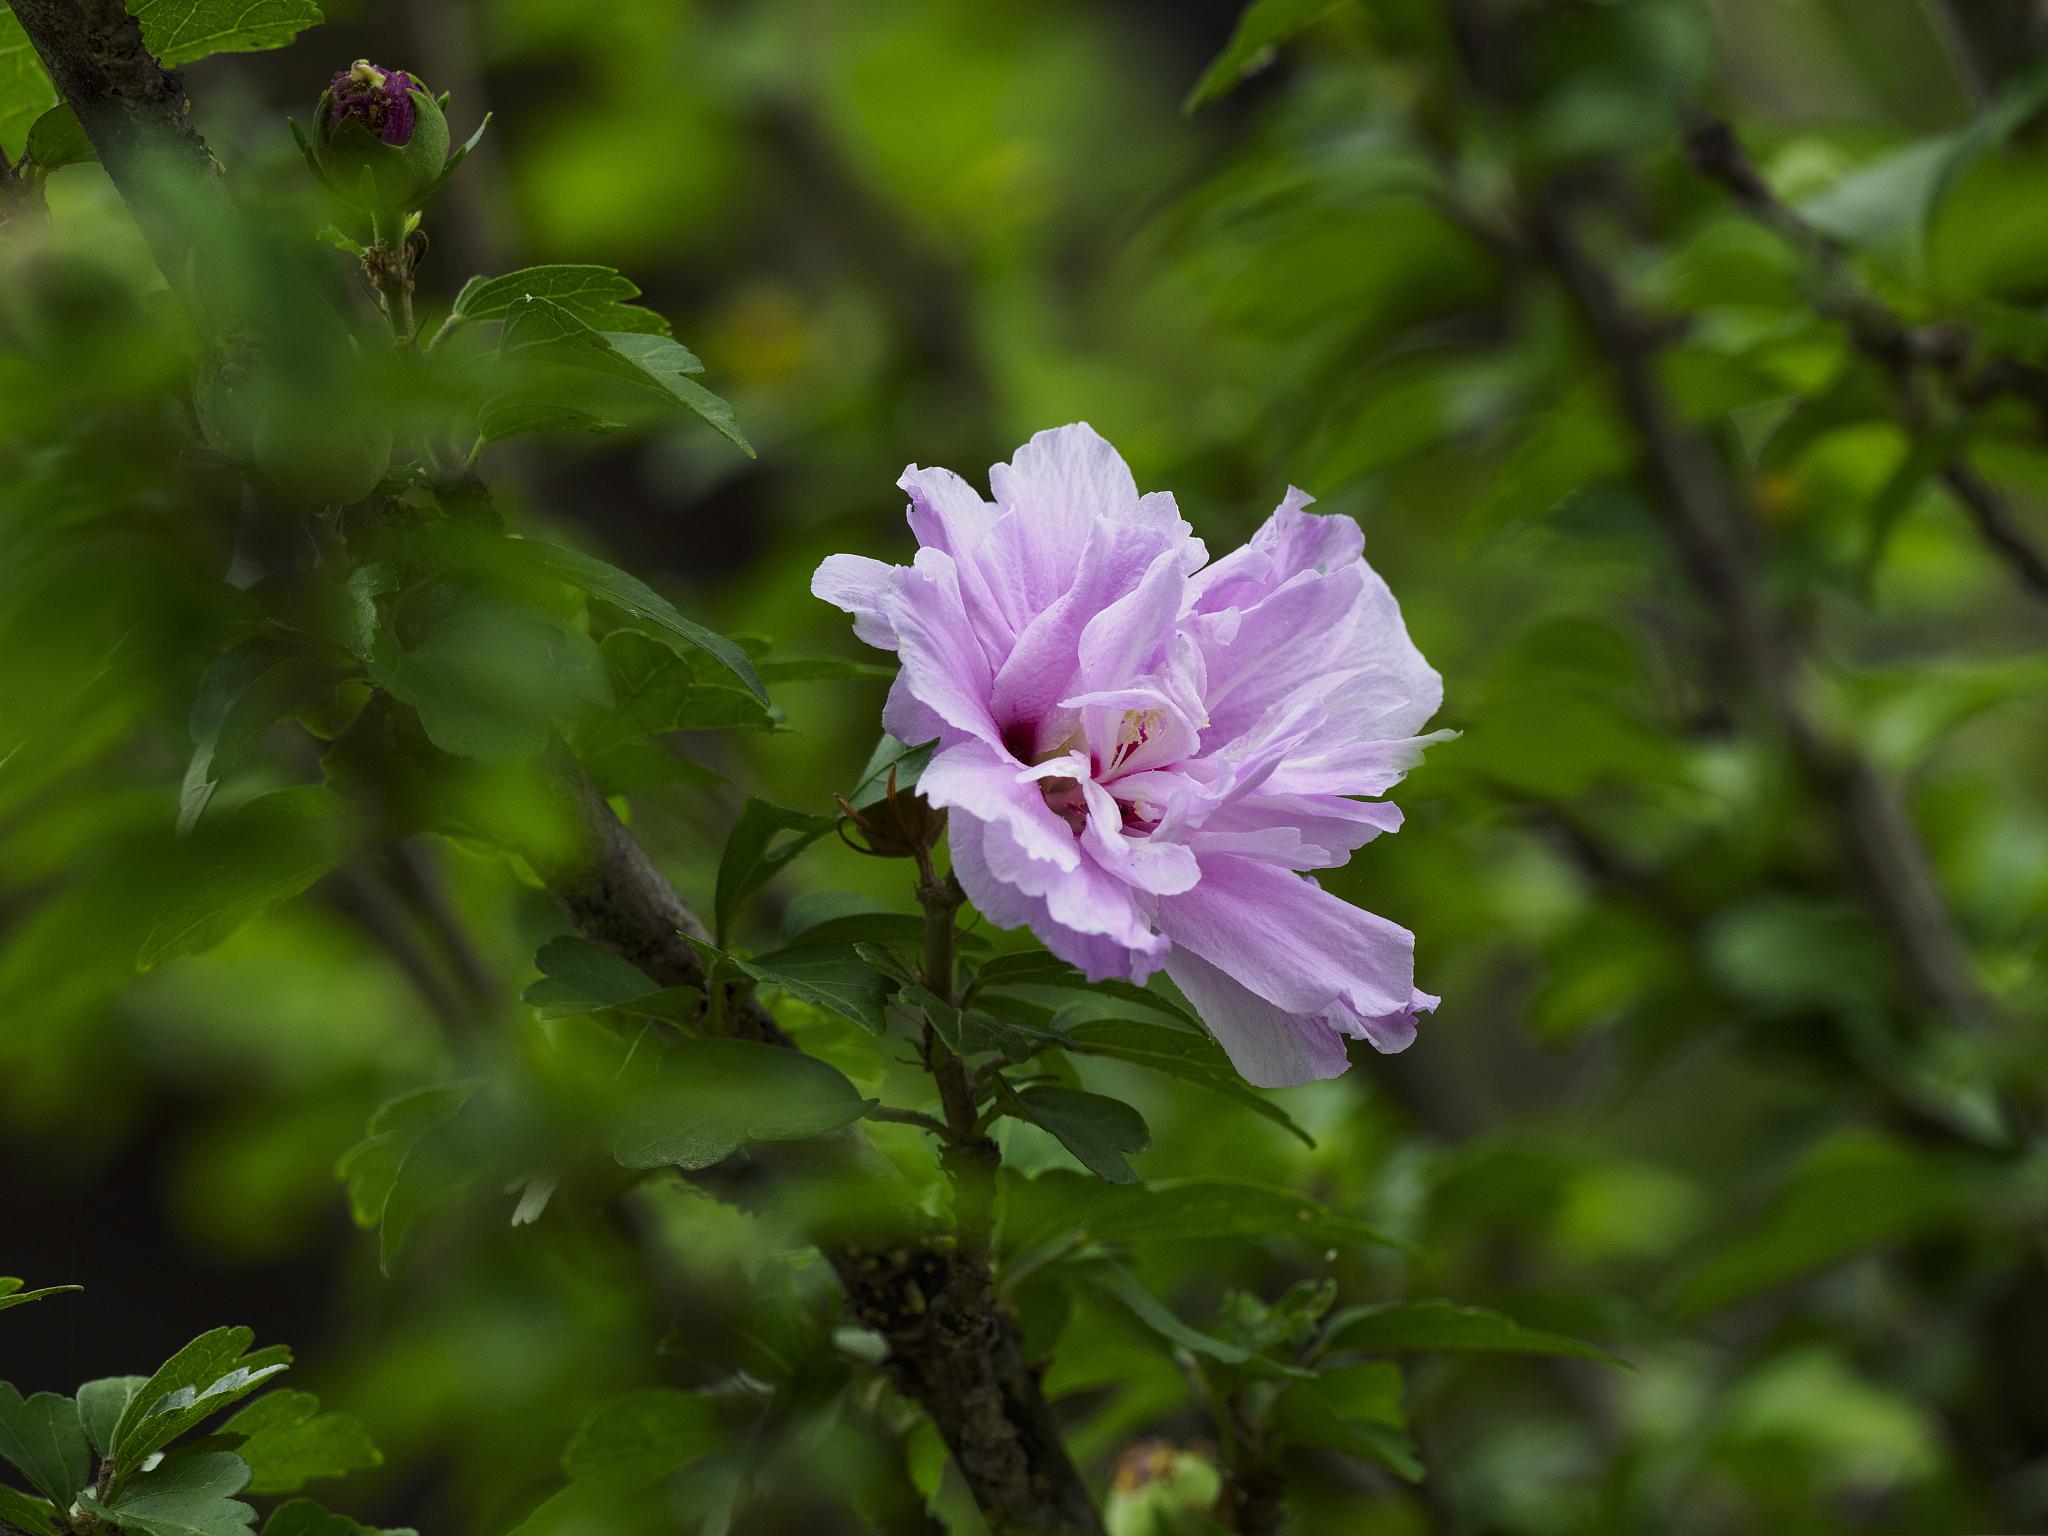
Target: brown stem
(135, 112)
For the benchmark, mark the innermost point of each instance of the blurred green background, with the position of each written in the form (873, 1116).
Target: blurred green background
(1676, 1100)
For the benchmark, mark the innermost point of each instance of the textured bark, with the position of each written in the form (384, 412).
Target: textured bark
(135, 112)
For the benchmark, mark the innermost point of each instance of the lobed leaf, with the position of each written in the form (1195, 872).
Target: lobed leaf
(181, 31)
(288, 1442)
(1401, 1327)
(763, 839)
(715, 1095)
(214, 1370)
(42, 1438)
(12, 1294)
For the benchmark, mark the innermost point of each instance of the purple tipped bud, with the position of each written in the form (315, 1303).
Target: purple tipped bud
(380, 98)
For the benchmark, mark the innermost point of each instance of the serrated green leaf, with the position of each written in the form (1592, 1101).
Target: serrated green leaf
(25, 1513)
(1354, 1411)
(288, 1442)
(57, 139)
(833, 978)
(657, 689)
(1097, 1129)
(1401, 1327)
(1112, 1280)
(213, 1371)
(763, 839)
(12, 1294)
(599, 296)
(537, 329)
(240, 696)
(512, 416)
(101, 1404)
(180, 31)
(370, 1167)
(189, 1495)
(579, 977)
(42, 1438)
(889, 754)
(715, 1095)
(631, 595)
(1178, 1053)
(268, 851)
(303, 1517)
(634, 1440)
(1261, 28)
(491, 680)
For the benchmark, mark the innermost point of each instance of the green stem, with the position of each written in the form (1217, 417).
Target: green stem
(390, 263)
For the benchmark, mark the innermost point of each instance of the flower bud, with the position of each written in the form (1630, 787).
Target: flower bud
(380, 138)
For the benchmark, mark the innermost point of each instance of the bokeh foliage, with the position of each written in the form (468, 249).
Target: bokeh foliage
(1683, 1097)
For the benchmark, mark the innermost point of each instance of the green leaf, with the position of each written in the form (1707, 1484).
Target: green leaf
(512, 416)
(370, 1168)
(1261, 28)
(57, 139)
(579, 977)
(101, 1404)
(1354, 1411)
(908, 762)
(180, 31)
(303, 1517)
(1851, 1196)
(440, 1163)
(42, 1437)
(537, 329)
(641, 1437)
(629, 594)
(1056, 1203)
(715, 1095)
(265, 853)
(241, 696)
(834, 979)
(25, 91)
(973, 1032)
(12, 1294)
(491, 680)
(657, 689)
(189, 1495)
(36, 1516)
(288, 1442)
(208, 1374)
(1178, 1053)
(762, 841)
(1115, 1281)
(1400, 1327)
(598, 296)
(1098, 1130)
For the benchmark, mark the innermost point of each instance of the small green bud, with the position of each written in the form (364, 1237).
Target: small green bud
(380, 139)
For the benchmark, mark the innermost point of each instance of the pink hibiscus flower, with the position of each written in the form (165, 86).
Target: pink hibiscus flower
(1141, 750)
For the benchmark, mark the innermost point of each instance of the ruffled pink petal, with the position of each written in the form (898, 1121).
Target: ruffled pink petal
(858, 584)
(986, 783)
(1290, 941)
(944, 668)
(1270, 1047)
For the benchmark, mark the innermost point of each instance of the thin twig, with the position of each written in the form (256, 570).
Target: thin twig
(1715, 538)
(1882, 335)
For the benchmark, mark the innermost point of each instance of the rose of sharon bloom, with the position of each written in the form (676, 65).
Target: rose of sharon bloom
(1142, 750)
